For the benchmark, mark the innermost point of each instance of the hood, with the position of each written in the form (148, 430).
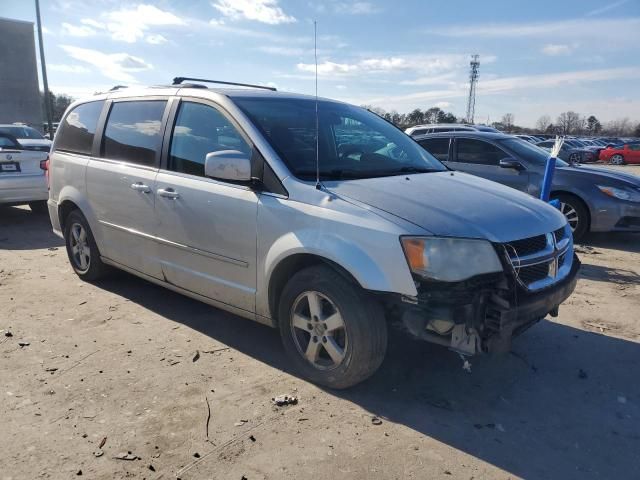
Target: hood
(599, 174)
(455, 204)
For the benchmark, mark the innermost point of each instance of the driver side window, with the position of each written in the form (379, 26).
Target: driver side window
(200, 129)
(478, 152)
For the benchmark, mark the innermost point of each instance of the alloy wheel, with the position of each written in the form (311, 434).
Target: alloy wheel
(80, 250)
(617, 160)
(318, 330)
(571, 215)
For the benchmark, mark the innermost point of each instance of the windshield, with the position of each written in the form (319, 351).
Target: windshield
(529, 151)
(19, 131)
(353, 142)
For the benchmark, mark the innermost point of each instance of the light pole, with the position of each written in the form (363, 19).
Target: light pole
(47, 94)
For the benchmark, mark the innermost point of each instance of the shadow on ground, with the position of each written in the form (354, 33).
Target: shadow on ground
(563, 404)
(628, 242)
(21, 229)
(602, 273)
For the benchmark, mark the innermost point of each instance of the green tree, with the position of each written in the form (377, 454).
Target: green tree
(416, 117)
(59, 104)
(593, 125)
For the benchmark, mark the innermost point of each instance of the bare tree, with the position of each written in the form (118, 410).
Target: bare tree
(507, 121)
(619, 127)
(569, 122)
(543, 123)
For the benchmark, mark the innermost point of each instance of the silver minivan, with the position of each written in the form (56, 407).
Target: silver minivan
(312, 216)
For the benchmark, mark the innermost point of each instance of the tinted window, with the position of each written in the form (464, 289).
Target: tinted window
(438, 147)
(201, 129)
(420, 131)
(76, 132)
(9, 142)
(132, 133)
(352, 142)
(478, 151)
(531, 153)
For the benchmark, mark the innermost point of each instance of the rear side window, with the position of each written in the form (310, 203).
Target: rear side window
(132, 133)
(201, 129)
(76, 132)
(479, 152)
(438, 147)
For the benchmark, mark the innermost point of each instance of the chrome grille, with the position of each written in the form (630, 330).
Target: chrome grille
(541, 261)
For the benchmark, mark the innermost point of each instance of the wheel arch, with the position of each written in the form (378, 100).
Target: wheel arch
(579, 198)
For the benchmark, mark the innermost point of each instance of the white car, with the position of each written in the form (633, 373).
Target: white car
(29, 138)
(22, 175)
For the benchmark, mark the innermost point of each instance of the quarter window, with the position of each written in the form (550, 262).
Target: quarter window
(201, 129)
(132, 133)
(78, 128)
(438, 147)
(479, 152)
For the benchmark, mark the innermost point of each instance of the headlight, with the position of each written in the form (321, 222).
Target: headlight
(621, 193)
(450, 259)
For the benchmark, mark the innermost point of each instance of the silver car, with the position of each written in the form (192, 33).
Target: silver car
(22, 175)
(330, 226)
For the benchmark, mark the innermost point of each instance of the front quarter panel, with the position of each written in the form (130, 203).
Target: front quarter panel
(363, 243)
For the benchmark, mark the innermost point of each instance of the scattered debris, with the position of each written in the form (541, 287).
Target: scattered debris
(376, 421)
(196, 455)
(282, 400)
(216, 350)
(303, 419)
(175, 362)
(196, 357)
(152, 468)
(252, 438)
(82, 303)
(8, 334)
(156, 455)
(52, 249)
(102, 442)
(582, 374)
(51, 369)
(98, 453)
(79, 473)
(23, 344)
(240, 423)
(126, 456)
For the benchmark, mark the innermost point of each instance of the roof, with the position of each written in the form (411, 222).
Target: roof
(469, 133)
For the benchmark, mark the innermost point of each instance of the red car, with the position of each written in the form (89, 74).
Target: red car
(628, 153)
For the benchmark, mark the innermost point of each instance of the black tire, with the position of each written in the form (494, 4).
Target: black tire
(94, 268)
(617, 159)
(39, 207)
(572, 203)
(364, 327)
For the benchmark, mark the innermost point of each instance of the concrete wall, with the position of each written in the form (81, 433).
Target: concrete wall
(19, 91)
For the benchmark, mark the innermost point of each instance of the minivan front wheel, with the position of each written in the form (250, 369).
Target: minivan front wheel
(82, 249)
(576, 213)
(334, 334)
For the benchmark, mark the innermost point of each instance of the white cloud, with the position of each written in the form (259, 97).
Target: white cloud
(130, 24)
(58, 67)
(443, 105)
(93, 23)
(605, 8)
(327, 68)
(77, 30)
(116, 66)
(556, 49)
(356, 8)
(265, 11)
(155, 39)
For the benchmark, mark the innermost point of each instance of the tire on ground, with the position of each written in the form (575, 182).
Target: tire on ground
(97, 269)
(581, 209)
(364, 321)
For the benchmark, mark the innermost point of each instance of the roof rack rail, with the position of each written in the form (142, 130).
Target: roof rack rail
(179, 80)
(118, 87)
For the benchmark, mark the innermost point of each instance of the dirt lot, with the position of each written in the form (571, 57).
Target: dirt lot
(117, 360)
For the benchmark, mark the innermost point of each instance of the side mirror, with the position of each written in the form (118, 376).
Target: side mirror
(228, 165)
(511, 163)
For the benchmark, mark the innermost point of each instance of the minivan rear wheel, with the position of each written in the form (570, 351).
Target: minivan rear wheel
(333, 332)
(82, 250)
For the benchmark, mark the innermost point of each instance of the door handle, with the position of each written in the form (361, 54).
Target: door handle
(140, 187)
(168, 193)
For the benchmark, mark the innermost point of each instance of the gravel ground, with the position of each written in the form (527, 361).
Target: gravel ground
(187, 388)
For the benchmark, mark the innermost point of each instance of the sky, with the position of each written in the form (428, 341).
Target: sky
(536, 58)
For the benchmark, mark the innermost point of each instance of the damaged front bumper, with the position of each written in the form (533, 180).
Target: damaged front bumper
(482, 314)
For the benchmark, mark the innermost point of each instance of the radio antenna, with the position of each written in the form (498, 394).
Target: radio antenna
(315, 54)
